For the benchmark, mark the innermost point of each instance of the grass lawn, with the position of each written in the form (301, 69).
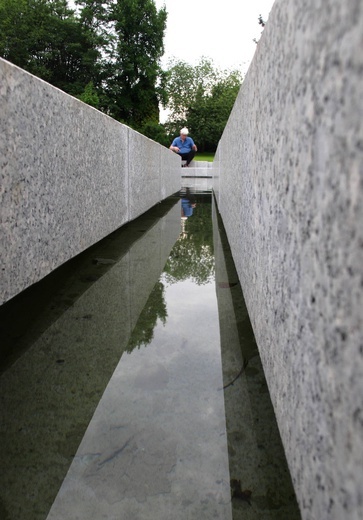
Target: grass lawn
(205, 156)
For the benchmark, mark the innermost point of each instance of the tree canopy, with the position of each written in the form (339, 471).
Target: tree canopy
(45, 38)
(132, 82)
(107, 53)
(200, 97)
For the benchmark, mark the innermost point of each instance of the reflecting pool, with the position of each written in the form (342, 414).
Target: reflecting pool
(131, 386)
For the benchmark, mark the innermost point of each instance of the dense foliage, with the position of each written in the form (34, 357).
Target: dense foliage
(201, 98)
(44, 38)
(107, 53)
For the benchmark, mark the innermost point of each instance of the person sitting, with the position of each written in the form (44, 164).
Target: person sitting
(184, 146)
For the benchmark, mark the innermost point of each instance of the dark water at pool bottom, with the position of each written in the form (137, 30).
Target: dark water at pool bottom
(134, 388)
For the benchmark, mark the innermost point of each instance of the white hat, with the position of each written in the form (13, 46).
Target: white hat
(184, 131)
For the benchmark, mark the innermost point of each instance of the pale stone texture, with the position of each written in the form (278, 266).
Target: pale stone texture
(69, 177)
(170, 174)
(144, 178)
(256, 455)
(289, 181)
(198, 183)
(198, 169)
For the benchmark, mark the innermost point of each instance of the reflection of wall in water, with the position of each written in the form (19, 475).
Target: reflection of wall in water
(256, 455)
(57, 383)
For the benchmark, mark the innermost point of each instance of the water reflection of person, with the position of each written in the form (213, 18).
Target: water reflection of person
(188, 203)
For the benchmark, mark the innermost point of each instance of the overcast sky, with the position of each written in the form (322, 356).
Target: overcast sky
(222, 31)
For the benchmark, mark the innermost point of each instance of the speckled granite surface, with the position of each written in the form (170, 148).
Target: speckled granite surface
(256, 455)
(288, 177)
(69, 176)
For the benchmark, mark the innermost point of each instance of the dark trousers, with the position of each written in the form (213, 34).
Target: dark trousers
(187, 156)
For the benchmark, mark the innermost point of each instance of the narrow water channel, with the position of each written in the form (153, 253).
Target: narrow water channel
(131, 387)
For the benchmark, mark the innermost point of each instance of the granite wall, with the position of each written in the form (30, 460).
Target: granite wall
(255, 452)
(288, 178)
(69, 176)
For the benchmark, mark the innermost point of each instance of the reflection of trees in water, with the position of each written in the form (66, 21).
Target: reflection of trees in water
(155, 308)
(190, 260)
(192, 257)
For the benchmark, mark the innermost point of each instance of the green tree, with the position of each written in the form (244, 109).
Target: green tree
(71, 54)
(156, 132)
(200, 97)
(208, 114)
(90, 96)
(94, 17)
(184, 83)
(22, 29)
(45, 38)
(107, 52)
(132, 91)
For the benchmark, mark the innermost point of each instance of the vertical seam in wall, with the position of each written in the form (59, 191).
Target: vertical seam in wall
(125, 146)
(160, 177)
(163, 176)
(130, 292)
(128, 175)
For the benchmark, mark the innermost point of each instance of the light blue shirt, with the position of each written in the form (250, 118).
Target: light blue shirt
(184, 147)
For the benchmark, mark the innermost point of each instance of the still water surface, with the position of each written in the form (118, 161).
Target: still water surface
(131, 385)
